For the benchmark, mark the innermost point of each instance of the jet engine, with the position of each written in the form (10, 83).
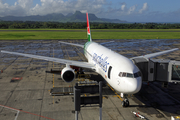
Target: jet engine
(67, 74)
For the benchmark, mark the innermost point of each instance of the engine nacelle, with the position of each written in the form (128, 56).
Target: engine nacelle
(67, 74)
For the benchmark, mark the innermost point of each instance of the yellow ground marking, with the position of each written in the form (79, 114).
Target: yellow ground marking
(105, 97)
(82, 77)
(115, 96)
(80, 52)
(67, 54)
(115, 92)
(53, 68)
(53, 75)
(53, 80)
(177, 117)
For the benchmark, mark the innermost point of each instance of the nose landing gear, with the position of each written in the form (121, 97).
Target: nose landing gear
(125, 102)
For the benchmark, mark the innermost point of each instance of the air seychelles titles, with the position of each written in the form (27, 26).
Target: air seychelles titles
(102, 62)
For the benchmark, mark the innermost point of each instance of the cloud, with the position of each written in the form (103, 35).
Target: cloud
(20, 8)
(101, 8)
(144, 8)
(123, 10)
(25, 7)
(49, 6)
(123, 6)
(98, 7)
(132, 9)
(26, 4)
(69, 6)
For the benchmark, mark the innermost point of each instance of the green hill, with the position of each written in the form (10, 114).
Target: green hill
(59, 17)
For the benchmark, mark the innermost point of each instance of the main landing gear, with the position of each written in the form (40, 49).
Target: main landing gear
(125, 102)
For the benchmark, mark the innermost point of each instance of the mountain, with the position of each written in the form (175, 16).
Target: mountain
(59, 17)
(69, 14)
(81, 17)
(48, 17)
(113, 20)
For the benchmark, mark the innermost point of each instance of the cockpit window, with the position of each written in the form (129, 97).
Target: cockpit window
(120, 74)
(124, 74)
(135, 75)
(130, 75)
(138, 74)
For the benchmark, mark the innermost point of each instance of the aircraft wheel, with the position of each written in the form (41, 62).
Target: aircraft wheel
(125, 103)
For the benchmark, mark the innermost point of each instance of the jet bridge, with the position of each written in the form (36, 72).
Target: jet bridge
(162, 70)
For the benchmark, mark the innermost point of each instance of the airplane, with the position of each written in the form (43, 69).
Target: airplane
(119, 71)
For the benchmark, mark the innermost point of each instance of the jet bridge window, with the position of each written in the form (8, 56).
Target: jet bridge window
(175, 72)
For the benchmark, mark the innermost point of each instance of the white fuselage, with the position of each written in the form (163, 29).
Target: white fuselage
(110, 65)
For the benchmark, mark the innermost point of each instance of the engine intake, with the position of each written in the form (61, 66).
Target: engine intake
(67, 74)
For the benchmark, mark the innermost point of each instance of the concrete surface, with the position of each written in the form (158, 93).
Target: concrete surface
(31, 94)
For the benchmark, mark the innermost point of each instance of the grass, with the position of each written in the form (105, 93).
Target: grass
(40, 35)
(138, 35)
(30, 34)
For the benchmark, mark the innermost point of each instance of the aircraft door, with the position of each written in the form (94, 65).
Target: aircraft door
(151, 70)
(109, 72)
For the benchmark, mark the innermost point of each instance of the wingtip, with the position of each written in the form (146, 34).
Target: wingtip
(174, 49)
(3, 51)
(177, 48)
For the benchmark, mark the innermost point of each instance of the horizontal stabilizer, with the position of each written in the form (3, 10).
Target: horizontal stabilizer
(106, 42)
(82, 46)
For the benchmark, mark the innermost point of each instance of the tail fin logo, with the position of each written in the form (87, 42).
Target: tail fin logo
(88, 28)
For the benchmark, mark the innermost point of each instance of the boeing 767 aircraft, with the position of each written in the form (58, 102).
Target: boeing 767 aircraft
(119, 72)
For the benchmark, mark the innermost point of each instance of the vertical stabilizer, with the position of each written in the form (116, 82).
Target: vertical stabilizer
(88, 29)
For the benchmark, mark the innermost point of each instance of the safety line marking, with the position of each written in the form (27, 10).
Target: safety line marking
(115, 92)
(26, 112)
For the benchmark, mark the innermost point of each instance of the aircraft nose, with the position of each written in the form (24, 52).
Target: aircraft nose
(134, 85)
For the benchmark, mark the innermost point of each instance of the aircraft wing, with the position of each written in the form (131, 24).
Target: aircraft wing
(63, 61)
(156, 54)
(82, 46)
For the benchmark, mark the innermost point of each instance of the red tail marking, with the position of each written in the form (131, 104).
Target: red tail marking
(87, 23)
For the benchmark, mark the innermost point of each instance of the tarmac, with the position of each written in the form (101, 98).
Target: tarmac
(25, 83)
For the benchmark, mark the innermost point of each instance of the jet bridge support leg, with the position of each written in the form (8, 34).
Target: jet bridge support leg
(125, 102)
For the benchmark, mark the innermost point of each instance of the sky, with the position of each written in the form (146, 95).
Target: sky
(128, 10)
